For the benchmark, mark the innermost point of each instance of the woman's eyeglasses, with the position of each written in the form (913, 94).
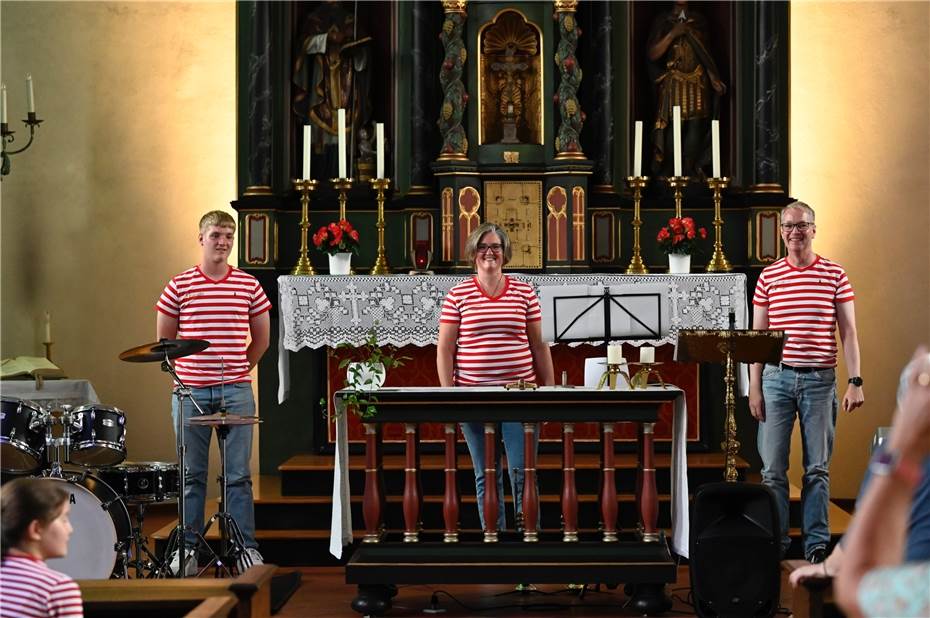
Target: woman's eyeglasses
(803, 226)
(483, 248)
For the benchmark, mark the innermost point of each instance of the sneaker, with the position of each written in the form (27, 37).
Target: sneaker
(190, 567)
(250, 557)
(817, 555)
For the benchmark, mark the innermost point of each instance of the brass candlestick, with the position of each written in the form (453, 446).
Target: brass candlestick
(609, 377)
(678, 183)
(718, 263)
(640, 379)
(306, 187)
(381, 265)
(342, 185)
(637, 183)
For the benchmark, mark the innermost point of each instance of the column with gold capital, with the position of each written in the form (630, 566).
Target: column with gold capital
(567, 142)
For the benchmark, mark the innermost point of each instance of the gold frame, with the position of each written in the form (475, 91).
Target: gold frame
(266, 220)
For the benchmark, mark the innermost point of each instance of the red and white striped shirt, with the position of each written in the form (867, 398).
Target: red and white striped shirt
(802, 302)
(218, 311)
(29, 589)
(492, 346)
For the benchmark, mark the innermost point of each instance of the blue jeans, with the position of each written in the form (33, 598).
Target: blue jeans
(239, 400)
(812, 396)
(511, 434)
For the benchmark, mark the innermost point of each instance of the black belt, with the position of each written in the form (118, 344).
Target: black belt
(801, 369)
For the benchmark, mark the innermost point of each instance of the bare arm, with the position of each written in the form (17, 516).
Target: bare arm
(260, 329)
(445, 352)
(760, 321)
(166, 327)
(846, 320)
(542, 358)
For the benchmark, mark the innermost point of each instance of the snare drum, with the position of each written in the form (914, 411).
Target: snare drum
(23, 434)
(143, 481)
(102, 529)
(98, 436)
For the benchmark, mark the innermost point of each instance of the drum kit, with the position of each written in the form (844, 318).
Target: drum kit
(86, 448)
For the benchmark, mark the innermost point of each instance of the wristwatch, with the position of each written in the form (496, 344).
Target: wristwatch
(891, 464)
(856, 381)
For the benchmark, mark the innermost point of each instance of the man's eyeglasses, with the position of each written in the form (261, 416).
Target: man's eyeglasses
(803, 226)
(496, 247)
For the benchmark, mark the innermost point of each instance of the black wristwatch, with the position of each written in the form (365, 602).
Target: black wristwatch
(856, 381)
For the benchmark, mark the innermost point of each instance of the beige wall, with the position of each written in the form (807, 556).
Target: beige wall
(138, 141)
(860, 155)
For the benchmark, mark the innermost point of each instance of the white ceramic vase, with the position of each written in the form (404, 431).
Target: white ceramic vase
(340, 263)
(679, 264)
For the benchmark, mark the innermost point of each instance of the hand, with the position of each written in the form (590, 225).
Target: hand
(853, 398)
(678, 29)
(806, 573)
(911, 425)
(718, 86)
(756, 404)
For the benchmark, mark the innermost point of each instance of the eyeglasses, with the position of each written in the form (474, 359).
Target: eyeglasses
(496, 247)
(803, 226)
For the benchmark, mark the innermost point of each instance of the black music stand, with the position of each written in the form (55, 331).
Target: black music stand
(729, 346)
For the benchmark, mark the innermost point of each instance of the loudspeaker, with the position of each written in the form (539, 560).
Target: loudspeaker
(735, 551)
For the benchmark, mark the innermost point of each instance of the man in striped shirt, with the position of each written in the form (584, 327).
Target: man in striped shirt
(223, 305)
(807, 296)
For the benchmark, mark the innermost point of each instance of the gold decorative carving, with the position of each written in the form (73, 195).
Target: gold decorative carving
(578, 214)
(516, 206)
(454, 6)
(511, 156)
(768, 236)
(565, 5)
(256, 249)
(447, 224)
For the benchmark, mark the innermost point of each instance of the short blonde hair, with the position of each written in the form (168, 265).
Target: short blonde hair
(799, 206)
(471, 245)
(218, 218)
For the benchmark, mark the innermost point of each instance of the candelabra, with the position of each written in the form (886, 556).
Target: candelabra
(342, 185)
(306, 187)
(718, 263)
(8, 138)
(637, 183)
(381, 265)
(677, 183)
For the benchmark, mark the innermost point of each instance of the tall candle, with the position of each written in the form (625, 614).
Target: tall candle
(30, 95)
(715, 145)
(379, 138)
(341, 116)
(676, 127)
(614, 355)
(48, 327)
(647, 354)
(306, 175)
(3, 103)
(638, 149)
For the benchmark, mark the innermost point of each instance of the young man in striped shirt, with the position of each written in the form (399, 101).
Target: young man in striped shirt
(223, 305)
(807, 296)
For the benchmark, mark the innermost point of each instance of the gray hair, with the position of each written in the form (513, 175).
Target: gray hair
(471, 245)
(798, 205)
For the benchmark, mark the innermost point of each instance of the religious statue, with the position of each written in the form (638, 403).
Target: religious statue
(685, 74)
(332, 71)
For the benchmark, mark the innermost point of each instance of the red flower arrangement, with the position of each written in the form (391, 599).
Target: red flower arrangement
(680, 236)
(337, 237)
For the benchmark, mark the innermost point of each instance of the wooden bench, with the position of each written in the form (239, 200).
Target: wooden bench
(214, 607)
(813, 598)
(250, 593)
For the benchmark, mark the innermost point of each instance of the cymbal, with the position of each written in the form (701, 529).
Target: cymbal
(219, 419)
(154, 352)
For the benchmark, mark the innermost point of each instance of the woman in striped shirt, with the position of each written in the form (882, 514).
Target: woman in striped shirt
(490, 334)
(35, 527)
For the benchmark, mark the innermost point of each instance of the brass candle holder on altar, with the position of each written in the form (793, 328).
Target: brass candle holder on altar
(719, 262)
(306, 187)
(677, 183)
(381, 265)
(342, 185)
(610, 376)
(640, 379)
(637, 183)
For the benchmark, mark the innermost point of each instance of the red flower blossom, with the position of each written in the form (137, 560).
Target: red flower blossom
(677, 238)
(663, 234)
(690, 234)
(703, 232)
(354, 235)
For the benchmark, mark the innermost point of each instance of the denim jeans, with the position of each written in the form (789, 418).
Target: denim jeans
(812, 397)
(511, 434)
(239, 400)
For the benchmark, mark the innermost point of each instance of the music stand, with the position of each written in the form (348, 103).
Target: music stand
(727, 346)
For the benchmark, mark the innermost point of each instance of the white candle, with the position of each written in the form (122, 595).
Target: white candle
(3, 103)
(614, 355)
(48, 327)
(379, 139)
(715, 144)
(638, 149)
(306, 175)
(342, 142)
(30, 95)
(676, 128)
(647, 354)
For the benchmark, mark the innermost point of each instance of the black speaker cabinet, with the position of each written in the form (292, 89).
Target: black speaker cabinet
(735, 551)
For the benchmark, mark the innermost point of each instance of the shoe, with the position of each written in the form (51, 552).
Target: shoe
(250, 557)
(817, 555)
(190, 567)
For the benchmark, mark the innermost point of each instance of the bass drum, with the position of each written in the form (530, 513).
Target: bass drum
(102, 529)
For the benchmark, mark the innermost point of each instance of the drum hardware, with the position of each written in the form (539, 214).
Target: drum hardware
(22, 441)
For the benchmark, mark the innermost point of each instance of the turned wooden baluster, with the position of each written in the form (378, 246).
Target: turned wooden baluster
(569, 490)
(530, 495)
(650, 500)
(450, 500)
(638, 496)
(490, 484)
(372, 501)
(609, 486)
(411, 485)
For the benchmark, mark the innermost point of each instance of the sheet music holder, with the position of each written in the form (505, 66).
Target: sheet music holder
(575, 313)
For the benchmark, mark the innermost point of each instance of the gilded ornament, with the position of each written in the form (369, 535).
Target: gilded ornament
(569, 23)
(447, 27)
(571, 107)
(446, 110)
(565, 5)
(463, 54)
(454, 6)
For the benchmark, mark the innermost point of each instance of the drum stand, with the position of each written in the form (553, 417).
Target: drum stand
(140, 557)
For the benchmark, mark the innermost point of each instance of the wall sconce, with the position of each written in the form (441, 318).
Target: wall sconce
(7, 135)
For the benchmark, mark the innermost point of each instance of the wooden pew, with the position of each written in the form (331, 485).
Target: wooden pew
(213, 607)
(250, 592)
(812, 599)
